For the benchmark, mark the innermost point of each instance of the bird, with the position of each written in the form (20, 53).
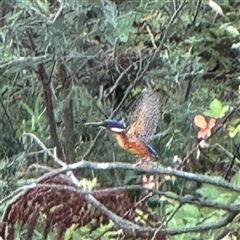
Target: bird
(136, 136)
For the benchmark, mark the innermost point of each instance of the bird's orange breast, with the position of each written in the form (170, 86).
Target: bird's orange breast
(134, 146)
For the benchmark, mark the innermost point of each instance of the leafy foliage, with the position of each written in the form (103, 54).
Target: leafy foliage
(65, 63)
(217, 110)
(234, 128)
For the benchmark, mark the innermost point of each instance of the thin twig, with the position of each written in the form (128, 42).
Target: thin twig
(196, 12)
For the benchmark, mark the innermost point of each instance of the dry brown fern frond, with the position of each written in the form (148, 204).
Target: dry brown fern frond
(57, 203)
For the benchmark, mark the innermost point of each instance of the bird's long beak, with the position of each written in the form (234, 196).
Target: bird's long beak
(99, 124)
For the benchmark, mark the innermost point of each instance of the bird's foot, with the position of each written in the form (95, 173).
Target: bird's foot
(144, 163)
(138, 163)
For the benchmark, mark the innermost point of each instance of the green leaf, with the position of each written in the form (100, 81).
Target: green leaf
(43, 4)
(125, 27)
(209, 191)
(225, 109)
(214, 193)
(188, 214)
(88, 185)
(236, 179)
(207, 212)
(217, 110)
(215, 105)
(233, 131)
(123, 37)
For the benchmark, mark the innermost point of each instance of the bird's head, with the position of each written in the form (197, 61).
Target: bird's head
(113, 126)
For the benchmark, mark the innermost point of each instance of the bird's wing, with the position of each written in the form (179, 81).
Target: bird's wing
(145, 117)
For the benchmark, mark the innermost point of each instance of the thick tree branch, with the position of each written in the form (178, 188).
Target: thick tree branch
(49, 106)
(220, 182)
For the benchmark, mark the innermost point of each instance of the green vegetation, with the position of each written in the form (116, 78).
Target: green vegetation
(64, 63)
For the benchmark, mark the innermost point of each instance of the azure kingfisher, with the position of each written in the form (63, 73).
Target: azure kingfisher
(142, 128)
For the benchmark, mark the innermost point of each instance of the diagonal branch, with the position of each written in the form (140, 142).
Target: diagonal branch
(49, 106)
